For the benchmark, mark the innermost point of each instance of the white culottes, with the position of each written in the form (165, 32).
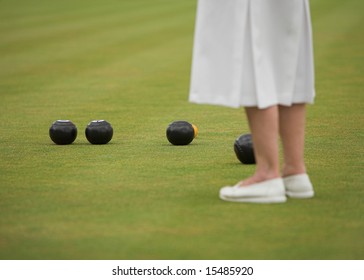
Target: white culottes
(252, 53)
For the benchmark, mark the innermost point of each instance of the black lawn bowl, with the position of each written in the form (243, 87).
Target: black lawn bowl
(180, 133)
(99, 132)
(63, 132)
(243, 148)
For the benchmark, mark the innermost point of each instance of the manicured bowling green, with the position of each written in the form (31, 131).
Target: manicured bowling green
(139, 197)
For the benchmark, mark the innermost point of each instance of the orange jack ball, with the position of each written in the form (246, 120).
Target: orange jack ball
(195, 130)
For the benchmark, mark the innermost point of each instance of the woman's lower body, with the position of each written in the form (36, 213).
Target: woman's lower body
(258, 54)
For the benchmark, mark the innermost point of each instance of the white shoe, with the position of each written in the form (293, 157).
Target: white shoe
(298, 186)
(269, 191)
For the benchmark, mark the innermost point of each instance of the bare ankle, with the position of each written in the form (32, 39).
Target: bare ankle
(259, 177)
(293, 170)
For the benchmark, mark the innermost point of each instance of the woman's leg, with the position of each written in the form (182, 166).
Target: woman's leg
(292, 132)
(266, 185)
(264, 128)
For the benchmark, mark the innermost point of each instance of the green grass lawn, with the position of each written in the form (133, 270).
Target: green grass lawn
(139, 197)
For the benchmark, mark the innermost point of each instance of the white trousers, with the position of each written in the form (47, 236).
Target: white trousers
(252, 53)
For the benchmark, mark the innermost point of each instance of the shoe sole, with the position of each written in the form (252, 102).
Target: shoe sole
(300, 195)
(274, 199)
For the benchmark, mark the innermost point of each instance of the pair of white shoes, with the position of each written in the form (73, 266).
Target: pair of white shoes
(270, 191)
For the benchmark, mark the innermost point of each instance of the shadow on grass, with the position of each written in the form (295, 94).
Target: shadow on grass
(82, 144)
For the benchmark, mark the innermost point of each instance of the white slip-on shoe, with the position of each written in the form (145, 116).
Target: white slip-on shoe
(298, 186)
(269, 191)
